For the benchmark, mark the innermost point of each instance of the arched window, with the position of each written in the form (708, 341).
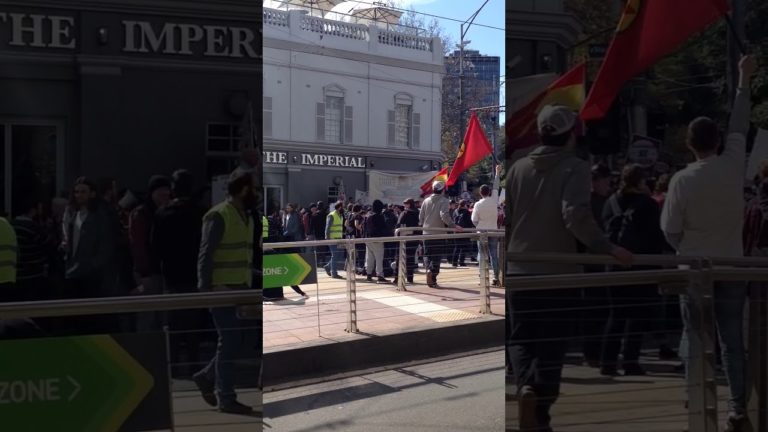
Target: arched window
(333, 118)
(403, 125)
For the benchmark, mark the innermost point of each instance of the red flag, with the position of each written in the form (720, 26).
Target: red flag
(474, 148)
(568, 90)
(441, 175)
(648, 30)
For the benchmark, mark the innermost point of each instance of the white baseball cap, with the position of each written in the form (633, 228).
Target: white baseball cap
(555, 120)
(438, 186)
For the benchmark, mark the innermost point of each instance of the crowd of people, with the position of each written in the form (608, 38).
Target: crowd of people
(378, 261)
(699, 212)
(99, 243)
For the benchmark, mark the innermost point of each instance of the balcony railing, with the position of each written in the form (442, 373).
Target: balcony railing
(402, 40)
(275, 18)
(334, 28)
(305, 27)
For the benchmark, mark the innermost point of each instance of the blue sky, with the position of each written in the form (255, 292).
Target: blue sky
(486, 40)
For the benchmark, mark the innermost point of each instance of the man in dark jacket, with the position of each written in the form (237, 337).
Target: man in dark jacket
(632, 219)
(317, 222)
(375, 226)
(548, 209)
(176, 242)
(409, 218)
(145, 262)
(461, 248)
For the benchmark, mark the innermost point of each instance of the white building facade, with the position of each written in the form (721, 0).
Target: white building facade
(342, 99)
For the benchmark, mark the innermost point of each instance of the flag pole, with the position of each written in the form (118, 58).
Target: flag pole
(735, 34)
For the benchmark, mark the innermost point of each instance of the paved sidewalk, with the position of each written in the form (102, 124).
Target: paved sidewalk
(380, 307)
(191, 414)
(590, 402)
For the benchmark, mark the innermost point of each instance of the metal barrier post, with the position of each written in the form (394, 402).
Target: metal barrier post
(758, 355)
(485, 297)
(351, 290)
(701, 364)
(401, 263)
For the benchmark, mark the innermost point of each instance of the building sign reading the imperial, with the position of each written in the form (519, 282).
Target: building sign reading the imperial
(312, 159)
(50, 31)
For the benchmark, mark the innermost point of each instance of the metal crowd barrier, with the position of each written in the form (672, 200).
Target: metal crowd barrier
(694, 276)
(142, 303)
(349, 246)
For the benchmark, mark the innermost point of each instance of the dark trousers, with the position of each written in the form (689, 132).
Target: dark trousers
(539, 325)
(360, 256)
(632, 314)
(410, 259)
(461, 251)
(434, 251)
(594, 316)
(90, 287)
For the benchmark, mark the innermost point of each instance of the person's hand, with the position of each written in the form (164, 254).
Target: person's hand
(459, 229)
(622, 255)
(748, 66)
(499, 168)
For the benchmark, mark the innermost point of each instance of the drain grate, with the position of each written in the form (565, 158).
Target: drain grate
(450, 315)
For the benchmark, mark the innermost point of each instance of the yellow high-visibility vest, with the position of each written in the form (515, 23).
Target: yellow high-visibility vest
(233, 258)
(337, 226)
(8, 252)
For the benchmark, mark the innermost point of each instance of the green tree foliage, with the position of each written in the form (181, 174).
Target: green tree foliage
(693, 81)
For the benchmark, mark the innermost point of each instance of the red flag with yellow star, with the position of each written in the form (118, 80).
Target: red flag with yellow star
(474, 148)
(648, 31)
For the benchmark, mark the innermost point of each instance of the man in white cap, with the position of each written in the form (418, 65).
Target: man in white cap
(548, 209)
(435, 213)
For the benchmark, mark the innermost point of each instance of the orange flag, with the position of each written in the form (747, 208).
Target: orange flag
(473, 149)
(568, 90)
(648, 31)
(441, 175)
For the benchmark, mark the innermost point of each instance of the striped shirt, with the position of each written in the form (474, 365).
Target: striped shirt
(33, 242)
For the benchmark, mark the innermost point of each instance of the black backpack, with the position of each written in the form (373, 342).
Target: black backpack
(622, 228)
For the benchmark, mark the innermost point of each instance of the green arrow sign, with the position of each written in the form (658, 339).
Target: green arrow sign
(288, 269)
(85, 384)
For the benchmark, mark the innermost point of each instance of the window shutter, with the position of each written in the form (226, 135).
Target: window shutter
(267, 117)
(348, 125)
(416, 130)
(391, 128)
(320, 121)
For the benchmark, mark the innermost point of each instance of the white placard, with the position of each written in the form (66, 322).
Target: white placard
(395, 188)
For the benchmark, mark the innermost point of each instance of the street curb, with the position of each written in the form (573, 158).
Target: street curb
(329, 358)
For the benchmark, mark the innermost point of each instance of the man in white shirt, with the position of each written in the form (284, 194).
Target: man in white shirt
(703, 216)
(485, 215)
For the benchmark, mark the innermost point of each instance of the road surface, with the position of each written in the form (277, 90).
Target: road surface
(464, 394)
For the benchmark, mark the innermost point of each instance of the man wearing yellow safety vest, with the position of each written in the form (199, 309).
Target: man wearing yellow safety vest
(8, 261)
(334, 230)
(225, 263)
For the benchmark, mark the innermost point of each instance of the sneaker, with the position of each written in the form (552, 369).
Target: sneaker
(305, 296)
(206, 388)
(369, 279)
(236, 408)
(430, 279)
(736, 423)
(327, 271)
(409, 279)
(337, 277)
(496, 283)
(526, 410)
(633, 369)
(381, 280)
